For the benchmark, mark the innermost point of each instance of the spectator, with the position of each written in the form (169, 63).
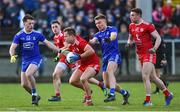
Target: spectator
(158, 17)
(167, 10)
(176, 16)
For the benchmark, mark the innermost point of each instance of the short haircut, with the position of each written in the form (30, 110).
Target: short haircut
(137, 10)
(27, 16)
(70, 31)
(100, 16)
(55, 21)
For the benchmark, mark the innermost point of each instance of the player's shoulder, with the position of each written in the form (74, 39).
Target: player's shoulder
(36, 32)
(111, 27)
(131, 24)
(80, 40)
(20, 33)
(147, 23)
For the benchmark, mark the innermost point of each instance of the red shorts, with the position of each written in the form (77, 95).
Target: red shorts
(147, 58)
(95, 66)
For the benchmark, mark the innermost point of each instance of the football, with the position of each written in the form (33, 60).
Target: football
(70, 54)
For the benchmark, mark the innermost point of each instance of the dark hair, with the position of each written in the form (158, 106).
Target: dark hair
(137, 10)
(100, 16)
(55, 21)
(27, 16)
(70, 31)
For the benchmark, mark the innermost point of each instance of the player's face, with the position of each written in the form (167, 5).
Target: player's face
(56, 28)
(69, 38)
(134, 17)
(29, 25)
(101, 24)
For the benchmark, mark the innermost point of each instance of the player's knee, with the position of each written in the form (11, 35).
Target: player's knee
(55, 76)
(145, 77)
(24, 85)
(72, 82)
(82, 79)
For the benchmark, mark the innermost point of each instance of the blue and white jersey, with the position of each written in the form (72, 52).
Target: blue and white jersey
(111, 48)
(29, 43)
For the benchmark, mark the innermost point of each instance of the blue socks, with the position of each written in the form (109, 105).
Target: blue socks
(112, 91)
(33, 92)
(123, 92)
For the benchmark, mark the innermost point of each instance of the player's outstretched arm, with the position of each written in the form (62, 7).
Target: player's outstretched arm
(51, 46)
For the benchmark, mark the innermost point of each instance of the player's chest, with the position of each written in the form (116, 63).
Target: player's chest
(104, 34)
(29, 38)
(138, 32)
(75, 48)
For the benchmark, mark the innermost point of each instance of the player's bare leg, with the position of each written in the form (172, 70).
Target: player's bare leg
(147, 69)
(100, 84)
(112, 66)
(88, 73)
(58, 72)
(159, 83)
(29, 73)
(25, 83)
(75, 79)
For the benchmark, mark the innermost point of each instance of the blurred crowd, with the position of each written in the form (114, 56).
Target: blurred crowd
(80, 14)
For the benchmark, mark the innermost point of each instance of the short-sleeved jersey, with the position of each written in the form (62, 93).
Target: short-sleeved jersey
(141, 34)
(78, 47)
(108, 48)
(59, 42)
(29, 43)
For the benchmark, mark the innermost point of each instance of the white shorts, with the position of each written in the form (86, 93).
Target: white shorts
(62, 65)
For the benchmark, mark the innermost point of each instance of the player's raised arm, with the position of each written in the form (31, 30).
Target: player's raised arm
(51, 46)
(156, 35)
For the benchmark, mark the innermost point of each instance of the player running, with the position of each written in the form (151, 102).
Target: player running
(89, 62)
(141, 33)
(107, 37)
(62, 64)
(28, 40)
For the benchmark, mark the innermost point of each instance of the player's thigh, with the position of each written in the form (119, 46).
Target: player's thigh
(60, 69)
(75, 77)
(112, 66)
(88, 73)
(147, 68)
(32, 68)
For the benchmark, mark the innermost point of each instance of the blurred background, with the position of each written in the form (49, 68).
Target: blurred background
(164, 14)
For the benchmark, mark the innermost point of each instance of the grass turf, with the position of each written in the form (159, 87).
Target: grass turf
(14, 98)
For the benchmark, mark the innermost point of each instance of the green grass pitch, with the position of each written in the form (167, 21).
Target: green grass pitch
(14, 98)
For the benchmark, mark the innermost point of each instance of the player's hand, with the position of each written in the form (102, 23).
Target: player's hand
(163, 62)
(108, 40)
(152, 50)
(56, 59)
(127, 46)
(75, 58)
(13, 58)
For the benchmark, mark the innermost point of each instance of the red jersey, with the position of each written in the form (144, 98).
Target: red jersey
(78, 47)
(141, 34)
(59, 42)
